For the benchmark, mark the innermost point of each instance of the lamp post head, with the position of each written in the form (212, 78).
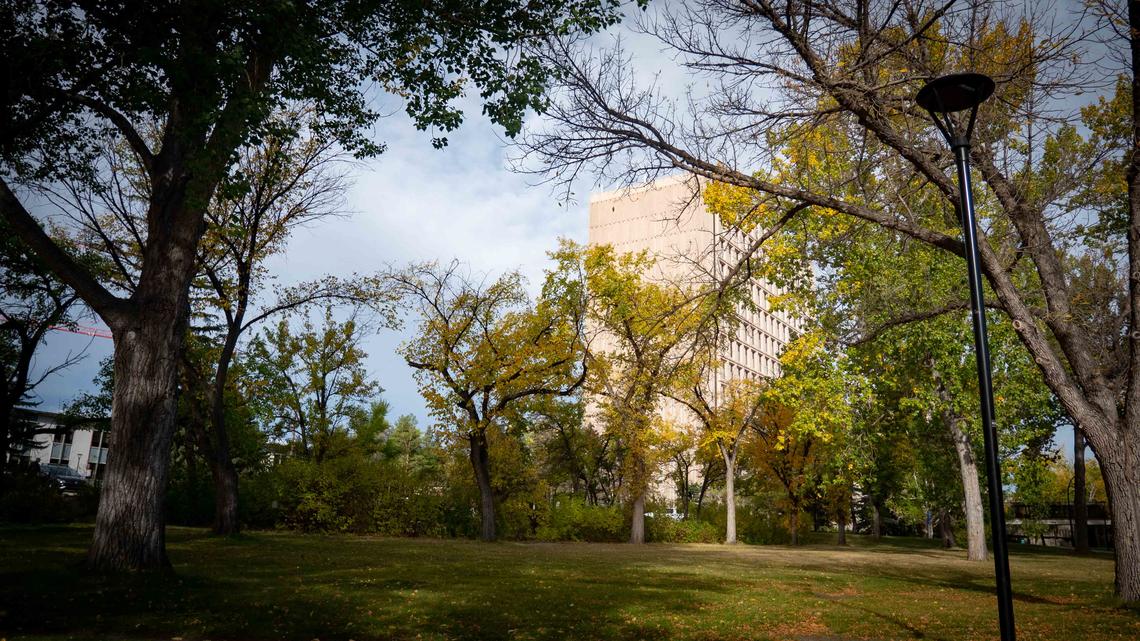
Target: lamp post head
(951, 94)
(956, 92)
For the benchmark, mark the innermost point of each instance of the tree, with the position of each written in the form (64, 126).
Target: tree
(32, 303)
(1056, 249)
(805, 425)
(789, 455)
(679, 444)
(287, 179)
(307, 386)
(725, 416)
(483, 349)
(372, 429)
(572, 453)
(284, 182)
(405, 442)
(642, 334)
(212, 73)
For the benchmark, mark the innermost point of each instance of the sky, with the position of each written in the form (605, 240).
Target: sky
(411, 203)
(415, 203)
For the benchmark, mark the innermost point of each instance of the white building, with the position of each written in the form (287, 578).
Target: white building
(83, 450)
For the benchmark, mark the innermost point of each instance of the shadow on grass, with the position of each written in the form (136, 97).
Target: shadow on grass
(286, 586)
(276, 587)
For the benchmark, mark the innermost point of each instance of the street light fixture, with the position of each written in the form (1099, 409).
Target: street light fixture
(942, 97)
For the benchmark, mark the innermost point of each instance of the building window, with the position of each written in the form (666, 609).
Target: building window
(61, 447)
(97, 458)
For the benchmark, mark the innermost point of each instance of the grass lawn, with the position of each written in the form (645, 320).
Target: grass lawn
(288, 586)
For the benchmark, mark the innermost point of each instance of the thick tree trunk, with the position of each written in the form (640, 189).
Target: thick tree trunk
(637, 524)
(729, 498)
(1120, 467)
(1080, 495)
(794, 525)
(971, 488)
(130, 525)
(876, 520)
(946, 528)
(481, 463)
(842, 539)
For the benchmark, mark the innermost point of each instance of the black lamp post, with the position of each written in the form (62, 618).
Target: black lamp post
(942, 97)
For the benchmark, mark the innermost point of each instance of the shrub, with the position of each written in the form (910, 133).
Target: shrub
(405, 507)
(663, 529)
(32, 498)
(259, 497)
(324, 496)
(190, 497)
(572, 519)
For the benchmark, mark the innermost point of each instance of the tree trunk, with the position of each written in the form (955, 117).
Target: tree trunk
(946, 528)
(705, 480)
(16, 386)
(130, 525)
(225, 496)
(1080, 495)
(1120, 467)
(637, 524)
(729, 498)
(685, 498)
(971, 487)
(481, 463)
(842, 540)
(5, 444)
(794, 524)
(221, 462)
(876, 520)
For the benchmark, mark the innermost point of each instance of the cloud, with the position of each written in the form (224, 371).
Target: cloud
(414, 203)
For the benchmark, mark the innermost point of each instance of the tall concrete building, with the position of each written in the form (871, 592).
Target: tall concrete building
(690, 244)
(669, 219)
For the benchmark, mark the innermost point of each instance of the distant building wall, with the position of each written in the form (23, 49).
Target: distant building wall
(668, 218)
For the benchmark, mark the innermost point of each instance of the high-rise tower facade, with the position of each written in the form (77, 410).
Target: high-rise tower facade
(668, 218)
(689, 243)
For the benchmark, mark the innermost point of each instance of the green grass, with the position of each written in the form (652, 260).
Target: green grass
(288, 586)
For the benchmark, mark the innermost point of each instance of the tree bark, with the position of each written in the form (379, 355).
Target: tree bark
(794, 524)
(6, 416)
(1080, 495)
(130, 525)
(971, 488)
(637, 523)
(729, 497)
(221, 461)
(685, 498)
(1121, 472)
(225, 495)
(946, 528)
(705, 480)
(876, 520)
(481, 464)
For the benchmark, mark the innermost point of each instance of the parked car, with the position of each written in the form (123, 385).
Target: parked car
(65, 478)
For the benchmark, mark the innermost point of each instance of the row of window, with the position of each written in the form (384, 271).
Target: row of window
(96, 455)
